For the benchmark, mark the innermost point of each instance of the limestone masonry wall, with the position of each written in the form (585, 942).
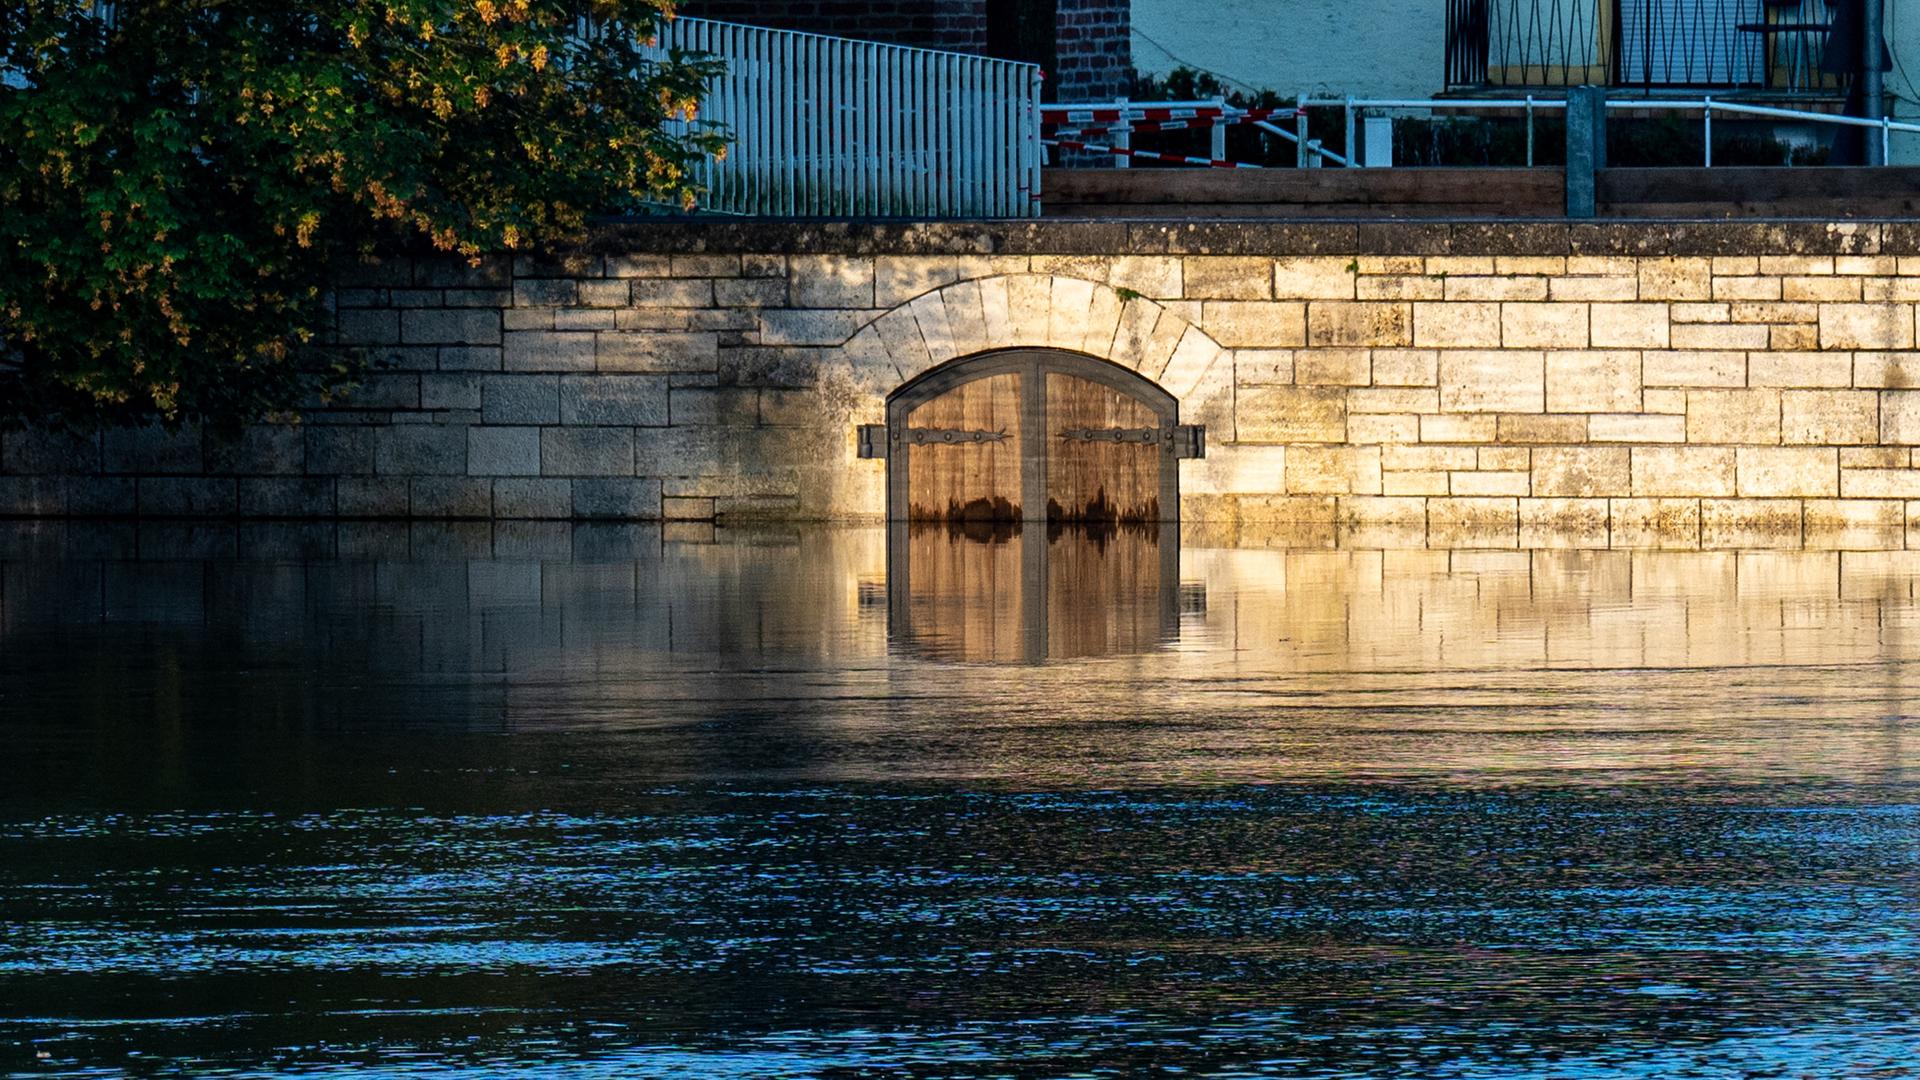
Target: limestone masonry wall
(1597, 380)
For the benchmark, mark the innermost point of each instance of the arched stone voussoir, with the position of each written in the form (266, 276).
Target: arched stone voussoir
(861, 368)
(1056, 311)
(1197, 360)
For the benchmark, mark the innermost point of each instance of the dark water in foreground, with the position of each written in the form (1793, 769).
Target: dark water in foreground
(613, 801)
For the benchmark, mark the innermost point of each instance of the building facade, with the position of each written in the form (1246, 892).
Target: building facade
(1776, 51)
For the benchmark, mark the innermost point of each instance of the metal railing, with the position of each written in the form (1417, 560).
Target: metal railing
(1710, 44)
(1121, 119)
(827, 126)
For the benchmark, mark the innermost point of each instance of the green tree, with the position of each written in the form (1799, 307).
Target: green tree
(180, 179)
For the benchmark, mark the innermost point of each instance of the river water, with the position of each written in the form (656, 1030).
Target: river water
(625, 800)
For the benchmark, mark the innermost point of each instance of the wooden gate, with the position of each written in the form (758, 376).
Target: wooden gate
(1033, 436)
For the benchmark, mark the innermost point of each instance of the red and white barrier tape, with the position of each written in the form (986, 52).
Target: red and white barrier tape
(1150, 120)
(1071, 115)
(1073, 144)
(1152, 125)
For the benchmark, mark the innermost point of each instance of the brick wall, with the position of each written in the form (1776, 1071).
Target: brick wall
(1671, 382)
(1095, 49)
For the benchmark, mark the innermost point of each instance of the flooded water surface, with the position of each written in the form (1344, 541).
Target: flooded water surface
(612, 800)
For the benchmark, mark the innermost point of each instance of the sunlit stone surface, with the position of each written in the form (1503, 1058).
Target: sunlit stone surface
(666, 802)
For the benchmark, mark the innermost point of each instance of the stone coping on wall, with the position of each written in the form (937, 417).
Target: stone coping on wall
(1106, 236)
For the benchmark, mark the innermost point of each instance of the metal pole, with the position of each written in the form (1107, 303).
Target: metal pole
(1122, 135)
(1871, 87)
(1586, 148)
(1708, 124)
(1300, 132)
(1219, 135)
(1353, 155)
(1529, 131)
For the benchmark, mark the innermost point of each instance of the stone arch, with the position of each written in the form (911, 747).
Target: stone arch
(1011, 311)
(1031, 311)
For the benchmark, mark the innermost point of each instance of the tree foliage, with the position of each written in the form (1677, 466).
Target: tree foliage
(180, 179)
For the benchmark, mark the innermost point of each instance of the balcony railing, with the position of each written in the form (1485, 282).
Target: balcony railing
(1708, 44)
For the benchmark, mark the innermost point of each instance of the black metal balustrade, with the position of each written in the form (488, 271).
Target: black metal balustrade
(1709, 44)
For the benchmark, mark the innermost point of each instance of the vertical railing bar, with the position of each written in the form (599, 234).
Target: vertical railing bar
(1026, 121)
(962, 112)
(856, 125)
(822, 127)
(970, 124)
(1300, 129)
(1011, 122)
(716, 39)
(1706, 112)
(797, 130)
(882, 131)
(915, 116)
(885, 105)
(761, 61)
(802, 142)
(766, 190)
(939, 138)
(990, 92)
(929, 135)
(883, 110)
(1002, 138)
(832, 149)
(983, 113)
(956, 171)
(890, 128)
(1529, 131)
(789, 127)
(1353, 158)
(829, 109)
(722, 40)
(936, 127)
(742, 157)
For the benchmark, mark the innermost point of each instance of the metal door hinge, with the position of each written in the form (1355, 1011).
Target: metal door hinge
(1189, 440)
(873, 440)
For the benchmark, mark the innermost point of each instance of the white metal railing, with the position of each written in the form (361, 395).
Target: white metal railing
(830, 127)
(1122, 118)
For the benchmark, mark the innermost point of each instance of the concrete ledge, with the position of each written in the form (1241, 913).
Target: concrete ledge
(1511, 236)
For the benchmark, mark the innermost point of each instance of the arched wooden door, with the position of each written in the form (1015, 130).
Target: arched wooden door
(1035, 436)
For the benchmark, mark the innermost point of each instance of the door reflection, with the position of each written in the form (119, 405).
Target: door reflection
(1000, 591)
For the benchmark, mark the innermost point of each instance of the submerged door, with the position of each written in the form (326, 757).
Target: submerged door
(1035, 436)
(963, 450)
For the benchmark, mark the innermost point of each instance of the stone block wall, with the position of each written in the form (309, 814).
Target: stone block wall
(1605, 381)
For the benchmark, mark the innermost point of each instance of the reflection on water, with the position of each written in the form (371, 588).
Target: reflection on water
(692, 803)
(987, 591)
